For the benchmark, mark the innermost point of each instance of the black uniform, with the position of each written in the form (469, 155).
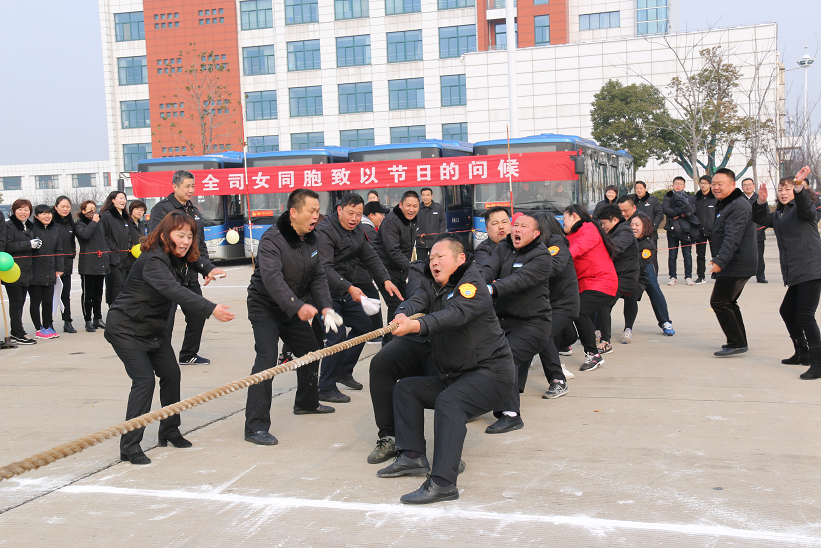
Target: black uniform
(601, 204)
(650, 206)
(118, 236)
(69, 242)
(472, 358)
(135, 327)
(521, 296)
(394, 245)
(681, 231)
(432, 221)
(363, 280)
(704, 206)
(340, 249)
(626, 263)
(193, 324)
(44, 273)
(760, 236)
(288, 272)
(18, 245)
(92, 265)
(484, 250)
(138, 232)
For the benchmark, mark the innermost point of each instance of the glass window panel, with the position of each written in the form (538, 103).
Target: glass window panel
(301, 11)
(258, 60)
(356, 138)
(350, 9)
(455, 132)
(267, 143)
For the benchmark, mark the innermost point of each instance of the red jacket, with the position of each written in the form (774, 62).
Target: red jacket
(594, 268)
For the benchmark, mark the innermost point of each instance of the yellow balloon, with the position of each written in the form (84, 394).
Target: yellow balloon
(136, 251)
(11, 275)
(232, 236)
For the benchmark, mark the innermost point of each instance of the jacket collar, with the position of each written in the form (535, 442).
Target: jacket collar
(57, 218)
(737, 193)
(334, 220)
(172, 199)
(19, 224)
(398, 212)
(644, 199)
(525, 249)
(38, 224)
(457, 275)
(290, 235)
(701, 196)
(577, 226)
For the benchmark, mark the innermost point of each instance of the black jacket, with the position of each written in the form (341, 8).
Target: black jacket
(484, 250)
(734, 237)
(678, 204)
(395, 239)
(650, 206)
(339, 249)
(361, 276)
(288, 272)
(626, 260)
(601, 204)
(67, 239)
(2, 232)
(704, 207)
(139, 315)
(520, 280)
(647, 248)
(564, 286)
(432, 221)
(117, 235)
(137, 232)
(796, 231)
(760, 232)
(166, 206)
(460, 322)
(18, 245)
(47, 260)
(93, 247)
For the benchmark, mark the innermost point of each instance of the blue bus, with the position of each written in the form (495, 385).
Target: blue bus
(456, 199)
(266, 208)
(595, 168)
(219, 213)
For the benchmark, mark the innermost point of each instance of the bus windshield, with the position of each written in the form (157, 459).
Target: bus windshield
(266, 208)
(551, 196)
(391, 196)
(211, 208)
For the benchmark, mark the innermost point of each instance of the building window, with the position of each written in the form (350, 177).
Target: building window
(350, 9)
(268, 143)
(500, 33)
(542, 27)
(303, 55)
(133, 154)
(303, 141)
(135, 114)
(454, 90)
(84, 180)
(540, 2)
(132, 70)
(355, 98)
(407, 134)
(301, 11)
(12, 183)
(455, 132)
(352, 51)
(394, 7)
(652, 17)
(306, 101)
(256, 14)
(261, 105)
(456, 41)
(453, 4)
(407, 93)
(129, 26)
(47, 182)
(596, 21)
(258, 60)
(356, 138)
(404, 46)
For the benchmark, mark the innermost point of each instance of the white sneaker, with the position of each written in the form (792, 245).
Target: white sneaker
(567, 374)
(672, 281)
(627, 336)
(689, 281)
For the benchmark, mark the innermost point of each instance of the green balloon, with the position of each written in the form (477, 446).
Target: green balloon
(6, 261)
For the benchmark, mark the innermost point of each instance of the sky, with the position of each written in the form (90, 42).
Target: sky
(52, 76)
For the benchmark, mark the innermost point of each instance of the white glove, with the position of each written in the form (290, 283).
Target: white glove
(36, 243)
(371, 306)
(333, 321)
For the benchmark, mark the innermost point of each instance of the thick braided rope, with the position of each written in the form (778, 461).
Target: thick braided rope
(73, 447)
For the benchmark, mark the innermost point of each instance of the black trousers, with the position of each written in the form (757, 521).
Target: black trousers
(194, 324)
(65, 296)
(701, 256)
(526, 339)
(471, 394)
(403, 357)
(92, 299)
(672, 255)
(798, 311)
(114, 282)
(759, 275)
(399, 280)
(724, 301)
(605, 317)
(370, 291)
(656, 255)
(268, 328)
(549, 356)
(42, 297)
(17, 300)
(341, 364)
(589, 302)
(142, 366)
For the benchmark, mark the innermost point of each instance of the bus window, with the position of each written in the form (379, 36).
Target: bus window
(211, 208)
(390, 196)
(458, 196)
(551, 196)
(235, 209)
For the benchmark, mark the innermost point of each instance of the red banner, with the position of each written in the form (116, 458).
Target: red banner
(462, 170)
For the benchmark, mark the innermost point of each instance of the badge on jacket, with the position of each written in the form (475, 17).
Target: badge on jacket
(553, 249)
(645, 254)
(467, 290)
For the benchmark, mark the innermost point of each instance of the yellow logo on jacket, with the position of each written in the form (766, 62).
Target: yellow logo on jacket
(646, 254)
(553, 249)
(467, 290)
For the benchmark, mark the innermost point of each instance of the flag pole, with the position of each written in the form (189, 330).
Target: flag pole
(247, 195)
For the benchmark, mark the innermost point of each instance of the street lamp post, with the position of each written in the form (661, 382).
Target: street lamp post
(805, 63)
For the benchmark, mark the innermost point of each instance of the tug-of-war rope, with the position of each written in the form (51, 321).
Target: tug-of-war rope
(73, 447)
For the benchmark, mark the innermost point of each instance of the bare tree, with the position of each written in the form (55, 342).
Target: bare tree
(798, 144)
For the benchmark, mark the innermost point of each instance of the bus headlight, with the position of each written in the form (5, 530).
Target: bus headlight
(250, 242)
(480, 235)
(215, 242)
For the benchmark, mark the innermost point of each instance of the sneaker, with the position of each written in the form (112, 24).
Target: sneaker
(591, 362)
(54, 334)
(689, 281)
(598, 337)
(568, 351)
(25, 339)
(605, 347)
(701, 280)
(557, 389)
(627, 336)
(567, 374)
(285, 357)
(196, 360)
(385, 450)
(42, 333)
(667, 327)
(672, 281)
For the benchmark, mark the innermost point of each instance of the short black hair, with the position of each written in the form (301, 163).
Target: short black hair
(747, 179)
(495, 209)
(426, 188)
(627, 198)
(453, 240)
(180, 176)
(43, 208)
(614, 188)
(610, 212)
(409, 194)
(297, 198)
(350, 199)
(375, 193)
(677, 177)
(642, 183)
(706, 177)
(136, 204)
(724, 171)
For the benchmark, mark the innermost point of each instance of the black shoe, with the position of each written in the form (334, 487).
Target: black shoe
(814, 372)
(68, 328)
(196, 360)
(762, 281)
(179, 442)
(90, 327)
(25, 340)
(404, 466)
(320, 410)
(261, 437)
(726, 352)
(99, 323)
(350, 382)
(801, 356)
(137, 457)
(333, 396)
(429, 493)
(557, 390)
(505, 424)
(700, 280)
(591, 362)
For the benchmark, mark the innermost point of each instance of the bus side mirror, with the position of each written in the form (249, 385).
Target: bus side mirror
(579, 164)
